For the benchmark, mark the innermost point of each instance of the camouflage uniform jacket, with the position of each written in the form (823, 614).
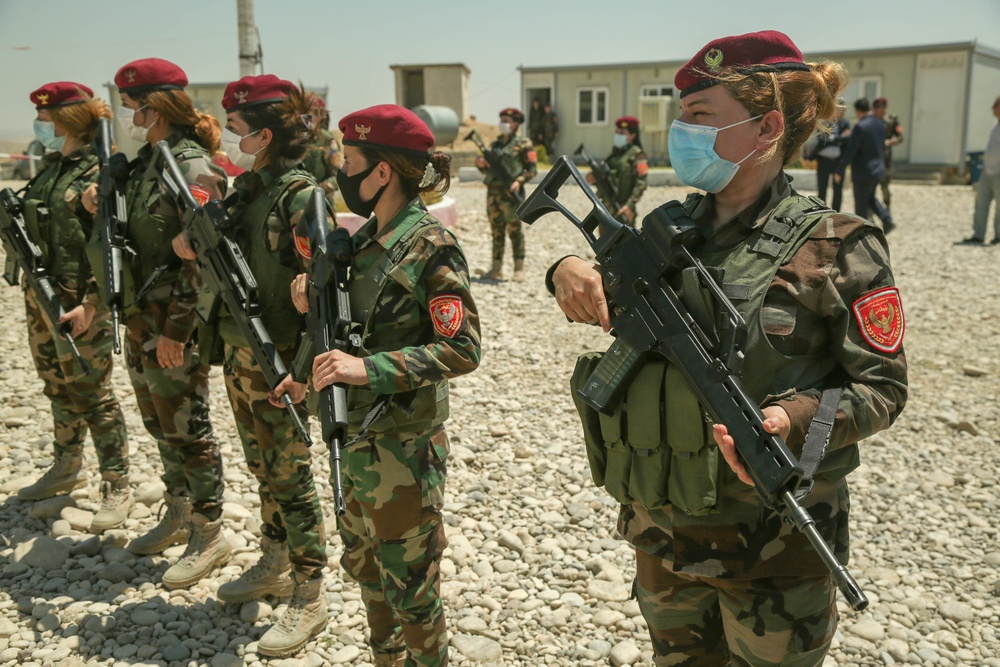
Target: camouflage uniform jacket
(322, 160)
(153, 221)
(268, 210)
(423, 326)
(518, 158)
(809, 316)
(628, 167)
(893, 130)
(59, 187)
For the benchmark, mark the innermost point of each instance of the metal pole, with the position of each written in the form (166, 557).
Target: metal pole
(250, 53)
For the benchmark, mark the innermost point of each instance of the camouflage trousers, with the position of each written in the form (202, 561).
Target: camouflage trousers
(504, 222)
(697, 621)
(393, 536)
(80, 401)
(281, 462)
(173, 403)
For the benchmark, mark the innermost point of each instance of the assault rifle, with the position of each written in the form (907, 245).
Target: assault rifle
(23, 254)
(225, 270)
(649, 317)
(497, 169)
(599, 169)
(112, 220)
(330, 319)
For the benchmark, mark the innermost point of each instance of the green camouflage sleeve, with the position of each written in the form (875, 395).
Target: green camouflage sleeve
(640, 168)
(437, 275)
(854, 294)
(91, 296)
(529, 162)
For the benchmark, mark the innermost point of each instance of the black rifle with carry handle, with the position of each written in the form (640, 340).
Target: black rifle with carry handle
(225, 271)
(599, 169)
(330, 320)
(648, 316)
(497, 169)
(112, 220)
(24, 255)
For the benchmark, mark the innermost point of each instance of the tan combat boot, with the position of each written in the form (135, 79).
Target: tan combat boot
(174, 527)
(518, 276)
(62, 477)
(496, 273)
(304, 618)
(390, 659)
(116, 503)
(207, 548)
(270, 575)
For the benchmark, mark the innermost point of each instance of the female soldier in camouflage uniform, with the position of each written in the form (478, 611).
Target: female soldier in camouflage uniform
(720, 577)
(628, 166)
(169, 378)
(409, 292)
(322, 160)
(266, 134)
(67, 118)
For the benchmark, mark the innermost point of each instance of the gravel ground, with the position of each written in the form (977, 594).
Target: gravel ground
(535, 573)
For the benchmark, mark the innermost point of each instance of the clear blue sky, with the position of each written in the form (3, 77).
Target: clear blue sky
(349, 46)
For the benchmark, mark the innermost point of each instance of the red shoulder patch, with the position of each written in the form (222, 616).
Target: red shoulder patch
(532, 157)
(302, 246)
(880, 318)
(200, 194)
(642, 167)
(447, 314)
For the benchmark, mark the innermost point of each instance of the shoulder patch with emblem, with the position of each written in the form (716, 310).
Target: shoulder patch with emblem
(880, 319)
(200, 194)
(532, 157)
(447, 314)
(302, 246)
(641, 167)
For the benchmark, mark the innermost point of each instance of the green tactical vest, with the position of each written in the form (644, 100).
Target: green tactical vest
(656, 447)
(622, 170)
(419, 409)
(61, 235)
(279, 316)
(510, 160)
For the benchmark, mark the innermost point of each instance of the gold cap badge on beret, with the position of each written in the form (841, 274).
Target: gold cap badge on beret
(43, 98)
(713, 59)
(362, 131)
(241, 96)
(130, 75)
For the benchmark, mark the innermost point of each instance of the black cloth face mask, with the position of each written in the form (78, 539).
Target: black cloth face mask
(350, 190)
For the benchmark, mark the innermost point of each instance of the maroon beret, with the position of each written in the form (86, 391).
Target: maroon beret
(514, 113)
(765, 51)
(59, 94)
(880, 102)
(630, 123)
(253, 90)
(149, 74)
(389, 127)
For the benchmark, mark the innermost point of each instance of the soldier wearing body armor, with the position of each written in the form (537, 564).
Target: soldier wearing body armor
(266, 134)
(412, 307)
(720, 578)
(893, 137)
(169, 377)
(518, 158)
(60, 226)
(628, 167)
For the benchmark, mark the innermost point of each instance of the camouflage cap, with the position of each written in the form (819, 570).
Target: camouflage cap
(149, 74)
(60, 94)
(765, 51)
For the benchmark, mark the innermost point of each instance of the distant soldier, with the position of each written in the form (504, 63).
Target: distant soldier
(550, 131)
(628, 166)
(323, 158)
(518, 158)
(536, 123)
(81, 401)
(893, 136)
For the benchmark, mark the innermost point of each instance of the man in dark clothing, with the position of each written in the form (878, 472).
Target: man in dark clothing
(865, 154)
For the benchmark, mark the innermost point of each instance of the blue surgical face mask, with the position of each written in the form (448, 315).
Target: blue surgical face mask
(45, 132)
(620, 140)
(693, 156)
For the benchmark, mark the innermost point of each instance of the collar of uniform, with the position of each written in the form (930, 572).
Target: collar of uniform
(748, 219)
(146, 151)
(397, 227)
(75, 156)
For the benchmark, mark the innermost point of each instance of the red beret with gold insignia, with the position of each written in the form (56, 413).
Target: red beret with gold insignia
(879, 102)
(149, 74)
(514, 114)
(630, 123)
(59, 94)
(253, 90)
(389, 127)
(765, 51)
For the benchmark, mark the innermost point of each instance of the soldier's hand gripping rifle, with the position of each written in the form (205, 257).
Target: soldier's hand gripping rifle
(112, 220)
(225, 271)
(330, 321)
(24, 255)
(599, 169)
(649, 317)
(496, 168)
